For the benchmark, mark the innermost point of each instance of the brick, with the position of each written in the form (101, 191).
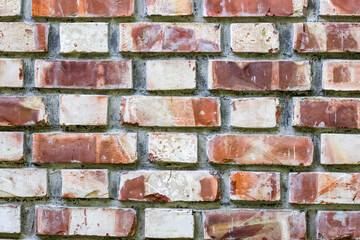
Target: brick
(11, 146)
(257, 8)
(341, 75)
(172, 147)
(170, 111)
(339, 7)
(24, 37)
(22, 111)
(10, 7)
(169, 37)
(84, 184)
(170, 75)
(71, 221)
(254, 37)
(169, 7)
(255, 186)
(169, 223)
(83, 74)
(245, 75)
(11, 73)
(10, 218)
(338, 225)
(324, 188)
(82, 8)
(84, 37)
(255, 112)
(260, 150)
(340, 149)
(83, 109)
(326, 37)
(169, 186)
(318, 112)
(254, 224)
(23, 182)
(84, 148)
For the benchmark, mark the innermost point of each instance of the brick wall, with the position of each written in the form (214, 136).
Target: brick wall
(179, 119)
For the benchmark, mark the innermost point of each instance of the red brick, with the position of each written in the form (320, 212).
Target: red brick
(338, 225)
(169, 7)
(254, 224)
(84, 148)
(341, 75)
(170, 111)
(325, 188)
(10, 7)
(340, 7)
(21, 111)
(326, 37)
(83, 74)
(11, 146)
(82, 8)
(10, 218)
(169, 37)
(71, 221)
(11, 73)
(245, 75)
(255, 186)
(24, 37)
(317, 112)
(260, 150)
(256, 8)
(169, 186)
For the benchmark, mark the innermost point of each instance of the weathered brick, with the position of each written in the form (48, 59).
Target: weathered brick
(23, 182)
(255, 186)
(21, 111)
(340, 7)
(10, 7)
(11, 73)
(169, 223)
(341, 75)
(11, 146)
(257, 8)
(69, 221)
(325, 188)
(10, 218)
(169, 7)
(83, 109)
(340, 149)
(254, 224)
(170, 111)
(338, 225)
(318, 112)
(260, 150)
(170, 75)
(172, 147)
(255, 112)
(169, 37)
(84, 184)
(83, 148)
(82, 8)
(254, 37)
(84, 37)
(24, 37)
(326, 37)
(245, 75)
(169, 186)
(83, 74)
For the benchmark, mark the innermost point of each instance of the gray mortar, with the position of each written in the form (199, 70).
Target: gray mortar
(284, 26)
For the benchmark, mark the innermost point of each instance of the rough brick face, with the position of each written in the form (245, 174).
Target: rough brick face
(10, 7)
(340, 149)
(339, 7)
(11, 146)
(11, 73)
(341, 75)
(10, 218)
(110, 222)
(89, 148)
(83, 74)
(169, 37)
(169, 7)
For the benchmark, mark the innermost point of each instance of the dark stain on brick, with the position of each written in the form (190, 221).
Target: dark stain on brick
(304, 187)
(133, 189)
(347, 6)
(206, 111)
(339, 38)
(145, 36)
(52, 221)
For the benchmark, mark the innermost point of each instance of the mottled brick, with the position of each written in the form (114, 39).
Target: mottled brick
(11, 146)
(341, 75)
(10, 218)
(114, 148)
(339, 7)
(11, 73)
(169, 7)
(340, 149)
(10, 7)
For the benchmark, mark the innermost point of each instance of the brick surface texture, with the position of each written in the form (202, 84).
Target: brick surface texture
(180, 119)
